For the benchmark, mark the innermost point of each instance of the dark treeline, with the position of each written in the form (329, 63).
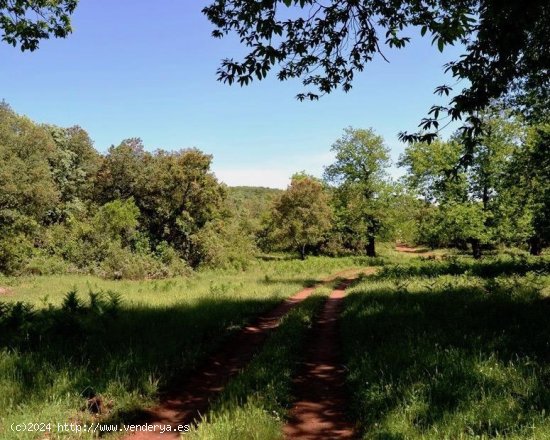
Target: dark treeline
(128, 213)
(131, 213)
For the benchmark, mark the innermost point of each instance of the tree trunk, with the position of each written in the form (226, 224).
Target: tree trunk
(476, 248)
(485, 198)
(535, 245)
(371, 251)
(303, 252)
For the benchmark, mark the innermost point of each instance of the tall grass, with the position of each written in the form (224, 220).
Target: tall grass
(58, 349)
(435, 355)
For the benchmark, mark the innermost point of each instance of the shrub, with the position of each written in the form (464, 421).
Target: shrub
(222, 245)
(15, 250)
(46, 265)
(121, 263)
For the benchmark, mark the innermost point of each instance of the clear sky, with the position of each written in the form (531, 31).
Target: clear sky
(142, 68)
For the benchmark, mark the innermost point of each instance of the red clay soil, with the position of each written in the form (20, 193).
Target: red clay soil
(5, 291)
(185, 405)
(320, 410)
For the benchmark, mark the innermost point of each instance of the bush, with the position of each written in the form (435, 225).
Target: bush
(121, 263)
(46, 265)
(15, 250)
(222, 245)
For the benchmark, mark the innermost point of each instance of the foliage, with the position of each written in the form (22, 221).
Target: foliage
(431, 171)
(118, 219)
(222, 244)
(124, 214)
(528, 188)
(478, 204)
(26, 22)
(26, 182)
(301, 215)
(119, 174)
(359, 173)
(121, 263)
(250, 205)
(401, 214)
(326, 44)
(177, 196)
(73, 166)
(135, 213)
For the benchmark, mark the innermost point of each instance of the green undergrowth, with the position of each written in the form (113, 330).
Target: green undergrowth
(438, 352)
(254, 404)
(264, 277)
(490, 267)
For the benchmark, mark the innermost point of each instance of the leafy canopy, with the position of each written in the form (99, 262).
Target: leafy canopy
(301, 216)
(24, 23)
(325, 43)
(359, 173)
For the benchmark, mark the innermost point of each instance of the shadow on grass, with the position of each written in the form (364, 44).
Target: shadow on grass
(491, 267)
(457, 363)
(101, 347)
(267, 257)
(305, 282)
(415, 250)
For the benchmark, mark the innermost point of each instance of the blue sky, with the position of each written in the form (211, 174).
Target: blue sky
(136, 68)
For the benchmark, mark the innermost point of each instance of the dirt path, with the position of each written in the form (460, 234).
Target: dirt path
(320, 410)
(187, 404)
(4, 291)
(421, 252)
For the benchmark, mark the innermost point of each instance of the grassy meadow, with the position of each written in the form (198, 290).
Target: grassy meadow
(64, 338)
(451, 349)
(437, 346)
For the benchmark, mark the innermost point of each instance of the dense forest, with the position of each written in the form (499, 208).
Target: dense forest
(136, 213)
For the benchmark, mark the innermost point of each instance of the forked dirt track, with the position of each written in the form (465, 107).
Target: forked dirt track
(185, 405)
(320, 410)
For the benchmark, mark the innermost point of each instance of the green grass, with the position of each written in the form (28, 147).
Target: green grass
(274, 277)
(254, 404)
(52, 356)
(451, 350)
(446, 349)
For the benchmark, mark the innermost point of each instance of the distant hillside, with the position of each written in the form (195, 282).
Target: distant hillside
(251, 203)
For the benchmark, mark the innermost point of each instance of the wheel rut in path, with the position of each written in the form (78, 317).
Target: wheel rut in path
(320, 409)
(185, 405)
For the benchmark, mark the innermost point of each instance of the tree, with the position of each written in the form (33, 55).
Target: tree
(118, 220)
(301, 215)
(431, 170)
(176, 192)
(28, 193)
(360, 177)
(74, 165)
(26, 22)
(401, 209)
(529, 180)
(177, 195)
(26, 182)
(326, 43)
(120, 171)
(473, 202)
